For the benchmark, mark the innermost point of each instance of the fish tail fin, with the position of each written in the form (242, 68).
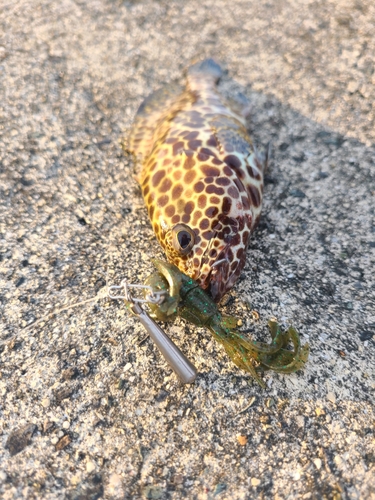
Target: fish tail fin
(207, 69)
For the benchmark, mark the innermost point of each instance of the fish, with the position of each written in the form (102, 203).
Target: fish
(201, 176)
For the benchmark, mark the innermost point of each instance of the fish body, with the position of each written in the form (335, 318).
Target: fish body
(201, 177)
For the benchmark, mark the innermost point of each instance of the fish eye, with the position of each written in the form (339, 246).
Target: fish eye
(183, 238)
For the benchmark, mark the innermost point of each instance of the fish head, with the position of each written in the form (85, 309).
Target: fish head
(203, 223)
(214, 256)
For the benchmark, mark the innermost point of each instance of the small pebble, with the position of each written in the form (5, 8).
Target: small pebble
(338, 459)
(255, 481)
(178, 479)
(76, 480)
(331, 397)
(114, 484)
(115, 480)
(242, 440)
(300, 421)
(352, 86)
(46, 402)
(255, 315)
(270, 402)
(90, 467)
(66, 424)
(318, 463)
(152, 492)
(63, 442)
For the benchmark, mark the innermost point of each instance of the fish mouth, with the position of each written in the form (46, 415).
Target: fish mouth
(222, 264)
(218, 276)
(221, 275)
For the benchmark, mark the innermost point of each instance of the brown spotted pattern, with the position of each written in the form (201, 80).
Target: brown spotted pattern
(199, 168)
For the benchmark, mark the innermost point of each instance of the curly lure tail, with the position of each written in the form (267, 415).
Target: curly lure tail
(272, 356)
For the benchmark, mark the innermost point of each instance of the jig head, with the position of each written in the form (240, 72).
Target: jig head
(179, 363)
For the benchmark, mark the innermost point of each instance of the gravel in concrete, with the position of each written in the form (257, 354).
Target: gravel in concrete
(88, 407)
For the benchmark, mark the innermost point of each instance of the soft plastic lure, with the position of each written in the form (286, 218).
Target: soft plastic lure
(183, 297)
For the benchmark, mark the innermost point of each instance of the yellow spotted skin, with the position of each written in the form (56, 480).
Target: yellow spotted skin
(199, 169)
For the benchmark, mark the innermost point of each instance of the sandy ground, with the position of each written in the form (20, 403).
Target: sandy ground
(88, 407)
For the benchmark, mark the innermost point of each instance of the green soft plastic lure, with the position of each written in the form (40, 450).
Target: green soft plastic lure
(183, 297)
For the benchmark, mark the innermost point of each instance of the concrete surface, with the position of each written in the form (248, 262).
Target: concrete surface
(88, 407)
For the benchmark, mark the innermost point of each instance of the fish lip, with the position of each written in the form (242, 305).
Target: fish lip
(218, 273)
(219, 278)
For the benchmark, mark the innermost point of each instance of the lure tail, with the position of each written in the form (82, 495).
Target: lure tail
(272, 356)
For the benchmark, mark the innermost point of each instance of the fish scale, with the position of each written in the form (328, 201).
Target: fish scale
(201, 177)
